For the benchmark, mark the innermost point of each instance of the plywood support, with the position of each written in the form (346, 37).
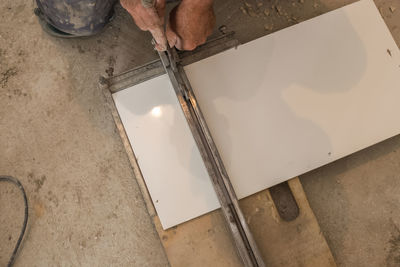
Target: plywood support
(205, 241)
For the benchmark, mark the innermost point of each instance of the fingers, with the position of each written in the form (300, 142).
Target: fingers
(190, 45)
(159, 37)
(188, 28)
(158, 31)
(173, 38)
(181, 44)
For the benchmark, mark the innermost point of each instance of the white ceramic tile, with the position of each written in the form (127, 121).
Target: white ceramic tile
(277, 107)
(170, 162)
(302, 97)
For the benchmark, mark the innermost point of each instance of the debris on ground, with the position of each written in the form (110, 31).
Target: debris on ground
(222, 29)
(272, 11)
(6, 75)
(244, 11)
(111, 65)
(253, 10)
(392, 9)
(252, 13)
(257, 9)
(110, 71)
(295, 19)
(279, 10)
(268, 27)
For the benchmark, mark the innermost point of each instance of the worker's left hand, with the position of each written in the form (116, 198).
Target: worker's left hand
(149, 19)
(190, 23)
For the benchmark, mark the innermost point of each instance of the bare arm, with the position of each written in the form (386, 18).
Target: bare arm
(149, 18)
(190, 23)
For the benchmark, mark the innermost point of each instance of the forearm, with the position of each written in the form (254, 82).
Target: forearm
(149, 16)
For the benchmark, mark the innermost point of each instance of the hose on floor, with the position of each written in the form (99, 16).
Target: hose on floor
(21, 235)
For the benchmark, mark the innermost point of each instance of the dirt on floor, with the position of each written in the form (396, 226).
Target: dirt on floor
(59, 139)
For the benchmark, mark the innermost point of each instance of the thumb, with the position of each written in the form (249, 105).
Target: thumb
(173, 38)
(159, 37)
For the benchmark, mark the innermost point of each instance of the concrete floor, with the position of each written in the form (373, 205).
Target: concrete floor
(59, 139)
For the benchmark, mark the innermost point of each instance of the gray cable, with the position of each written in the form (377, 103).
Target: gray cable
(21, 235)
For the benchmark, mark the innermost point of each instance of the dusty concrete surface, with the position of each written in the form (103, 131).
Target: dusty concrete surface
(58, 138)
(357, 202)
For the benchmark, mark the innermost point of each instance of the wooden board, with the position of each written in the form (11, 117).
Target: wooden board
(205, 241)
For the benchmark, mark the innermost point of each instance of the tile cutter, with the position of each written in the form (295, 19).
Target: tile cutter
(243, 239)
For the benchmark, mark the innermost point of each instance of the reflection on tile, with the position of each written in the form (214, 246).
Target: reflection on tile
(167, 154)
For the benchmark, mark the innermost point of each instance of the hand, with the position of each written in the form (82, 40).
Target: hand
(149, 19)
(190, 23)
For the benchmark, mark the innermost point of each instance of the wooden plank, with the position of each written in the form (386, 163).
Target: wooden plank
(205, 241)
(295, 243)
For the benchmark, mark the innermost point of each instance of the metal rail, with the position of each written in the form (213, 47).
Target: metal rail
(155, 68)
(243, 239)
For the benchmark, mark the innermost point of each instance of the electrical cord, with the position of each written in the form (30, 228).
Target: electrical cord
(21, 235)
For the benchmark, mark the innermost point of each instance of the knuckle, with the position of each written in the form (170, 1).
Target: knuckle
(142, 27)
(189, 46)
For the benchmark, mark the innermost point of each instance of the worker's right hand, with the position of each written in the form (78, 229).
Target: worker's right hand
(190, 23)
(149, 19)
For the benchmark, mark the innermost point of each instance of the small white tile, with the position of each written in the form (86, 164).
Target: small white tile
(168, 157)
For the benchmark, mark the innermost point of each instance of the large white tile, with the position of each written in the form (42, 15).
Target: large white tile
(277, 107)
(302, 97)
